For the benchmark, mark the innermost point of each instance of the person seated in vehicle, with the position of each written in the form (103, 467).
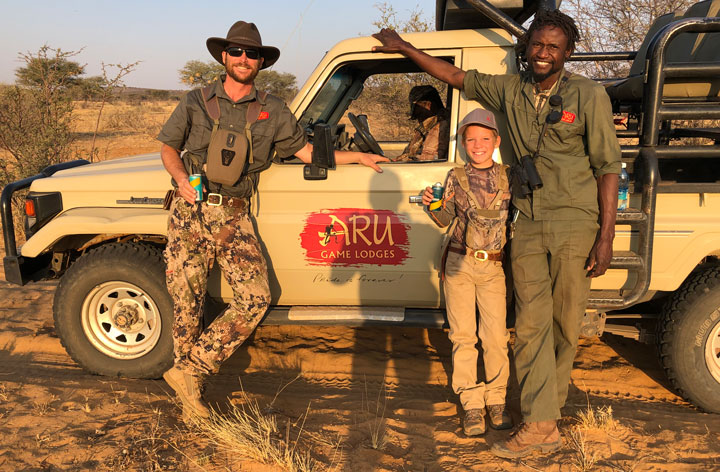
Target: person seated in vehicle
(431, 137)
(476, 200)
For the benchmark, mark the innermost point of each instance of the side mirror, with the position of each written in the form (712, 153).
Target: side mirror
(323, 155)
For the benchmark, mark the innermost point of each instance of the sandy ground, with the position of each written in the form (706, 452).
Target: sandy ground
(333, 387)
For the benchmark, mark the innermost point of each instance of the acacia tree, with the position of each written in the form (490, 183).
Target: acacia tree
(415, 23)
(281, 84)
(49, 65)
(391, 90)
(196, 74)
(35, 114)
(615, 25)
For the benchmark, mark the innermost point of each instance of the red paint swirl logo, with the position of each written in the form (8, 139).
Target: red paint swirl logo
(354, 237)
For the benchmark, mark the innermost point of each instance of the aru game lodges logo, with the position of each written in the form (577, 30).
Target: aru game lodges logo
(354, 237)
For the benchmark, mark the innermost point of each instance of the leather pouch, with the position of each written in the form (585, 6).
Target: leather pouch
(226, 156)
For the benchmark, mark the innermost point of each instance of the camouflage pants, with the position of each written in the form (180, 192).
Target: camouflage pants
(198, 236)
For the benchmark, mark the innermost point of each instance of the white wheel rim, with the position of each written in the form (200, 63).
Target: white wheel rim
(712, 350)
(121, 320)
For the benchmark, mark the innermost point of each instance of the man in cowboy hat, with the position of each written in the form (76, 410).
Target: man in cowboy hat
(219, 227)
(430, 138)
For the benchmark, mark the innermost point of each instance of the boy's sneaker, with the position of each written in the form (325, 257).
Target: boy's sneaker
(474, 422)
(499, 418)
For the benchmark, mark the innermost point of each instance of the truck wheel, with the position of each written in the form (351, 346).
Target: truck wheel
(689, 339)
(113, 313)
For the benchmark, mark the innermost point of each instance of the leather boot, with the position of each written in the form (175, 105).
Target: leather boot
(187, 387)
(540, 436)
(474, 422)
(499, 418)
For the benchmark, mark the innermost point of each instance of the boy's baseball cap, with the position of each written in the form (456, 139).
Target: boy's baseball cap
(478, 117)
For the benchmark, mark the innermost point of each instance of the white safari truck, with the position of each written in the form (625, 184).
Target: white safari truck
(345, 245)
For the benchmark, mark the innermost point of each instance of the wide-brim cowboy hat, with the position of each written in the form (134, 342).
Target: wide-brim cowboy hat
(243, 34)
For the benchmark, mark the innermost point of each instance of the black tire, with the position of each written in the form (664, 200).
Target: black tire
(113, 313)
(689, 339)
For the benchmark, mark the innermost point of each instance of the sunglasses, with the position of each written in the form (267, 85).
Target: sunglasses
(237, 52)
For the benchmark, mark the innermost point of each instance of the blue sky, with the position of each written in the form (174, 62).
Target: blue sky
(164, 35)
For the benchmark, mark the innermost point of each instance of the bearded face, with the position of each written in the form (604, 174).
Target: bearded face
(241, 69)
(547, 52)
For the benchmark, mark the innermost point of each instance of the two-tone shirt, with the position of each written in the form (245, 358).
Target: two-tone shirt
(276, 131)
(575, 151)
(483, 184)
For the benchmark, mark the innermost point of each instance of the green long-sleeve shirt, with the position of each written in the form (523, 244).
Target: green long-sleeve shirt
(581, 147)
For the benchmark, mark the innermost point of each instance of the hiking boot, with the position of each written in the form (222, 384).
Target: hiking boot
(540, 436)
(499, 419)
(187, 388)
(474, 422)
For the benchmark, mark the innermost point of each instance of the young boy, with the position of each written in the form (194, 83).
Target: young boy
(477, 197)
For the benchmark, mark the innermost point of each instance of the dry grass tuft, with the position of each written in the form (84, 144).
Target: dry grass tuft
(597, 418)
(375, 413)
(247, 431)
(42, 408)
(583, 458)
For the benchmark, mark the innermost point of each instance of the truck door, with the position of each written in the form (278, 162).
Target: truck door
(354, 239)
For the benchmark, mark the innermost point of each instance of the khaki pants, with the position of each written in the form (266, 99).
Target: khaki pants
(469, 281)
(551, 291)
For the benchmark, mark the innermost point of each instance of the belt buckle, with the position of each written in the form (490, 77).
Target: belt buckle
(479, 253)
(213, 196)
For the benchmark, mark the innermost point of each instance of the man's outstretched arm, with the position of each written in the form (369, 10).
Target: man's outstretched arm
(345, 157)
(438, 68)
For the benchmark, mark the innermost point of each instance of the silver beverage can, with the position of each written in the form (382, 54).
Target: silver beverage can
(196, 182)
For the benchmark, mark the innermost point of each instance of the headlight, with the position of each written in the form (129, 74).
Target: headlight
(40, 207)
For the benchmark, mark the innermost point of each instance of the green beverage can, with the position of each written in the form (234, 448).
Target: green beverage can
(196, 182)
(437, 190)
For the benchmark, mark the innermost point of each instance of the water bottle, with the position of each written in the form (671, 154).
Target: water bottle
(623, 184)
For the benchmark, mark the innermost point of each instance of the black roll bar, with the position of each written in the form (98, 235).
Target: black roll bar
(500, 18)
(656, 73)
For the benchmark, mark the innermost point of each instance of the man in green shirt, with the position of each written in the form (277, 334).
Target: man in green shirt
(217, 227)
(565, 229)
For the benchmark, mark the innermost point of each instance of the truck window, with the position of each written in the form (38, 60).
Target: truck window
(377, 91)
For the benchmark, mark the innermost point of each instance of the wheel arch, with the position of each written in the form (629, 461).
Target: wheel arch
(84, 228)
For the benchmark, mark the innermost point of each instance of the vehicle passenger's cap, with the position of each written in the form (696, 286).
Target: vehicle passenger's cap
(478, 117)
(243, 34)
(423, 92)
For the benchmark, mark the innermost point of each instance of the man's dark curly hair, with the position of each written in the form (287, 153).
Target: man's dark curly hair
(554, 18)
